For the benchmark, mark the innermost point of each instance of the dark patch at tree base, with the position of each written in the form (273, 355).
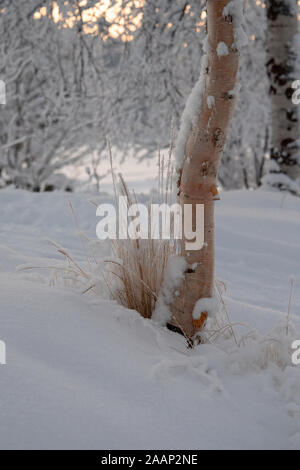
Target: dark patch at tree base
(174, 329)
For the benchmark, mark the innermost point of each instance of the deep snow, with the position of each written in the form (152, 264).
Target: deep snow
(83, 372)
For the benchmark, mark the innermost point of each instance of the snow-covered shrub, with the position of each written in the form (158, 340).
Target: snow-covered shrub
(274, 179)
(53, 116)
(259, 351)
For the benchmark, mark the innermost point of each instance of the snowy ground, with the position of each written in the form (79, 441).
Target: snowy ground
(83, 372)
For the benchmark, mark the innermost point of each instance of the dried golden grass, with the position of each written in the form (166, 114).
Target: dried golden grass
(138, 276)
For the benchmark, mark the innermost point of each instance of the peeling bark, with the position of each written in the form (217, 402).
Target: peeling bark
(204, 147)
(281, 68)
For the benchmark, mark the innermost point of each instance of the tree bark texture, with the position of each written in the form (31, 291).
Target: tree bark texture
(204, 147)
(282, 18)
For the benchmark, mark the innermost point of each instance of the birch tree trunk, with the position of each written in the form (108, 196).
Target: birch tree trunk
(282, 18)
(203, 149)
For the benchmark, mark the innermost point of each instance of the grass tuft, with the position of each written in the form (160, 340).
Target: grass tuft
(138, 266)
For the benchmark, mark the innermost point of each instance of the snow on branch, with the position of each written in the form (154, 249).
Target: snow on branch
(235, 10)
(190, 114)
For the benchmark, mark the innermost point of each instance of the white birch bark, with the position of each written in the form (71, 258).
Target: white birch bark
(199, 149)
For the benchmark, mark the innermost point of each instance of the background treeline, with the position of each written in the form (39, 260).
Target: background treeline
(74, 79)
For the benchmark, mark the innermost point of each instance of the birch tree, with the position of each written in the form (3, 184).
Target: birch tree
(199, 147)
(282, 50)
(160, 66)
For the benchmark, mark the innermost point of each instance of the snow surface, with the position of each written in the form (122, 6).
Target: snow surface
(210, 306)
(211, 102)
(222, 49)
(174, 274)
(85, 373)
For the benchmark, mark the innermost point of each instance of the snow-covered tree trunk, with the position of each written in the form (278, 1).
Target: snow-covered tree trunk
(282, 50)
(198, 151)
